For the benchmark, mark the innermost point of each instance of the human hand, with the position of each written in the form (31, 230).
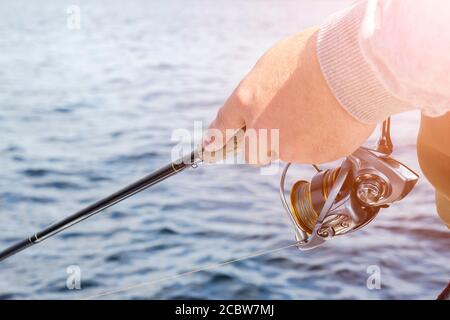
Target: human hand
(286, 90)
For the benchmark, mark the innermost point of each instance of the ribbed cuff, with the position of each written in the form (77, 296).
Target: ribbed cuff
(353, 81)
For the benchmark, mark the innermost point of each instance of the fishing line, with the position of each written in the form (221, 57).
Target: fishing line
(189, 273)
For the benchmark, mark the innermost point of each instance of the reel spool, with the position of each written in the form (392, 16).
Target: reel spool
(341, 200)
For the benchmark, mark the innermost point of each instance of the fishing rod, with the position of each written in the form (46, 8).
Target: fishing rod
(153, 178)
(336, 201)
(191, 160)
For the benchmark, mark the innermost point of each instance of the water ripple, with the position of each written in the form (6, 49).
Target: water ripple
(100, 111)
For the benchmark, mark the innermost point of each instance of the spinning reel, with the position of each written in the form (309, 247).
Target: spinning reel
(344, 199)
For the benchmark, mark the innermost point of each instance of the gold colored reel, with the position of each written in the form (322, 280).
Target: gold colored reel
(307, 199)
(344, 199)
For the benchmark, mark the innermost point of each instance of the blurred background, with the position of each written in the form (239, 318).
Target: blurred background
(86, 111)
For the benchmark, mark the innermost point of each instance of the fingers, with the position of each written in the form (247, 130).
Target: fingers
(259, 146)
(228, 121)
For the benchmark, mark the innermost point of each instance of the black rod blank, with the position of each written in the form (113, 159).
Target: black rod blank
(130, 190)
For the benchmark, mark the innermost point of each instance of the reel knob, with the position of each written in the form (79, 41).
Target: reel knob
(370, 189)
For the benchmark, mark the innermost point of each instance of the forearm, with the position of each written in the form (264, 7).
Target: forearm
(326, 131)
(384, 57)
(326, 90)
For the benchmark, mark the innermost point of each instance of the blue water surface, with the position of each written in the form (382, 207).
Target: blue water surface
(85, 112)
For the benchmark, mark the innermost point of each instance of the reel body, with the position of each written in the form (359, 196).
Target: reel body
(344, 199)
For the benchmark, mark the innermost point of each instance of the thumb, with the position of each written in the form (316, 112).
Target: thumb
(228, 121)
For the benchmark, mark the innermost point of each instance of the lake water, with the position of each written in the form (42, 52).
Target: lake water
(85, 112)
